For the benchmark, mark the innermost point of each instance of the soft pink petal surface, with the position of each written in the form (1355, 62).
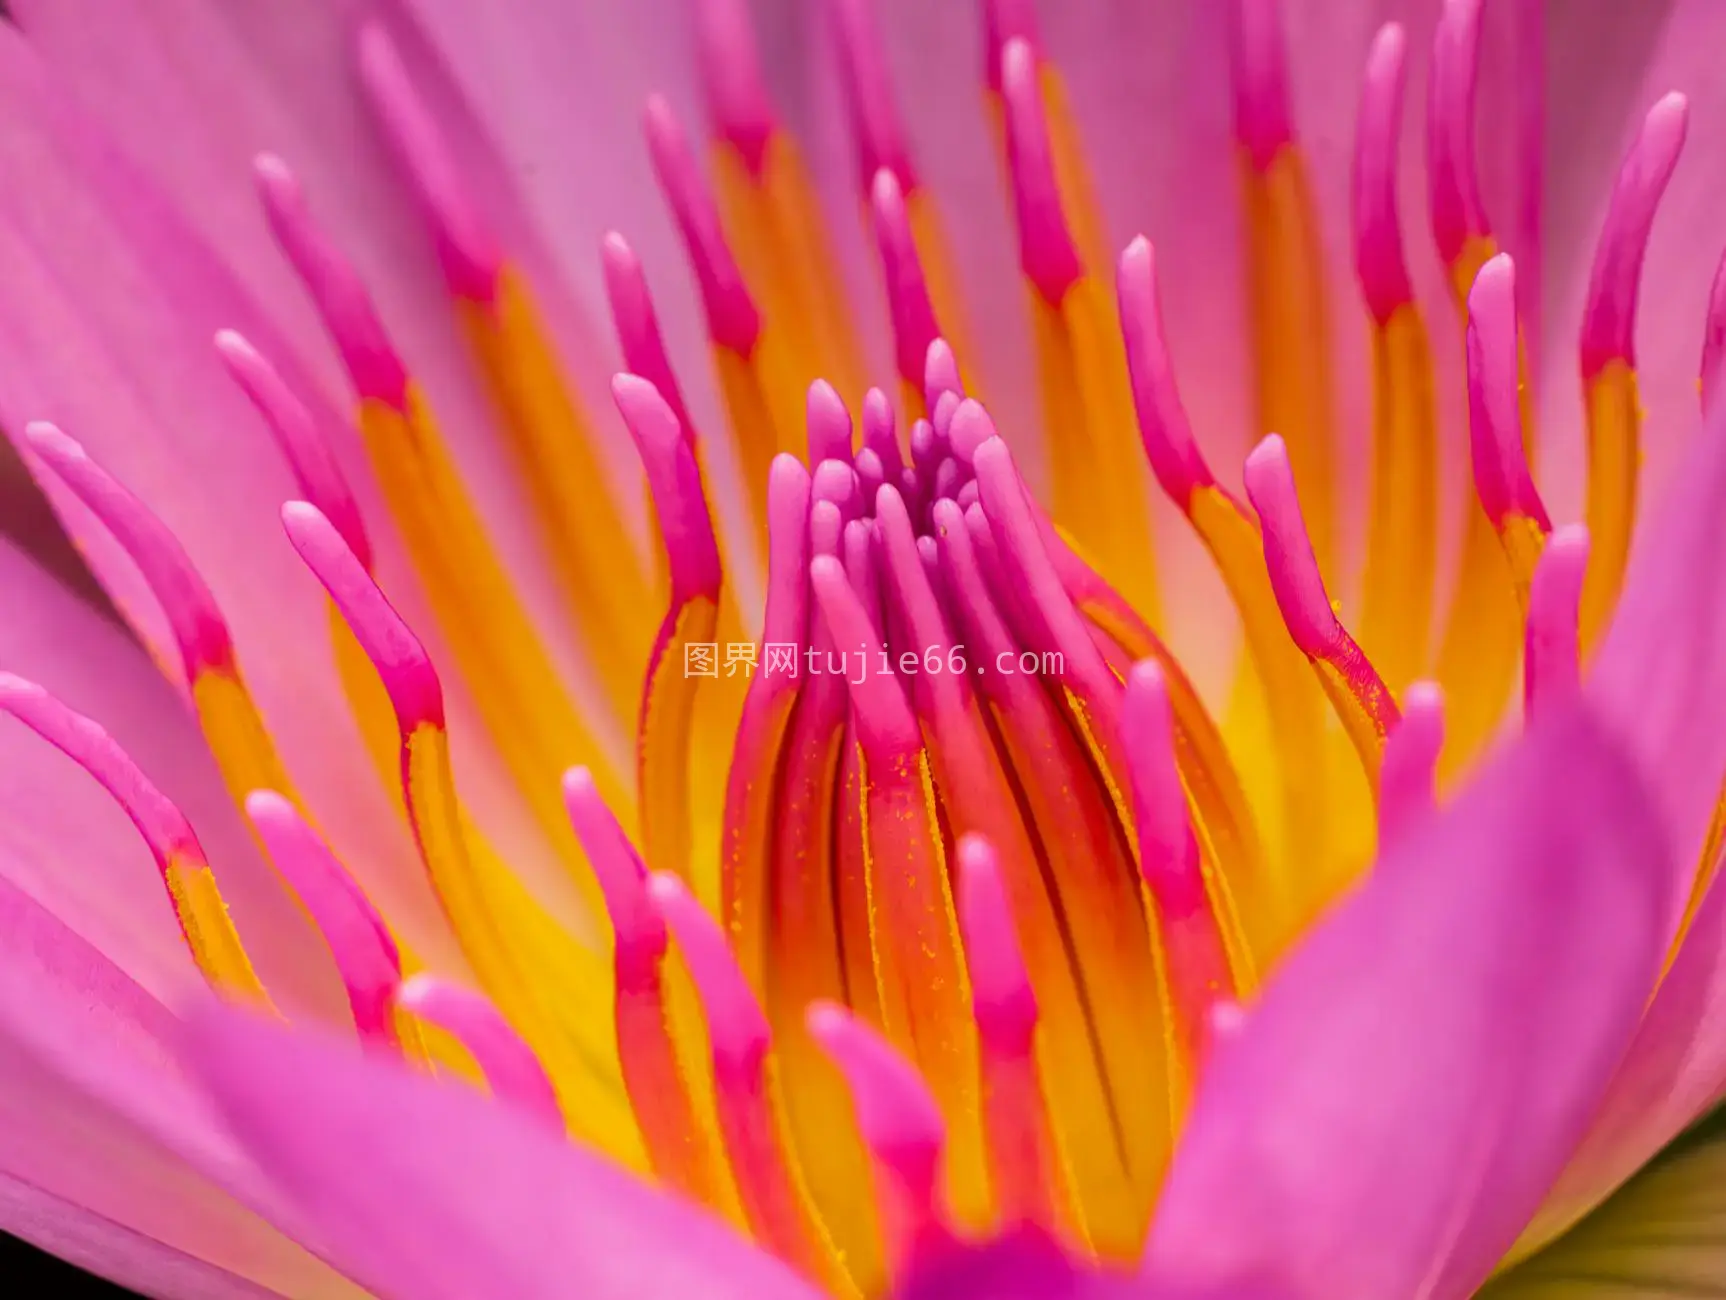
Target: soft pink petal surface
(433, 1191)
(1408, 1085)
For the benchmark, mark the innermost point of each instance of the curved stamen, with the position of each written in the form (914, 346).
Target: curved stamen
(302, 444)
(875, 123)
(775, 1202)
(1407, 786)
(342, 300)
(1379, 260)
(1004, 21)
(901, 1126)
(731, 74)
(1501, 473)
(203, 915)
(1047, 253)
(365, 954)
(1453, 187)
(466, 247)
(732, 317)
(200, 633)
(637, 324)
(512, 1071)
(1259, 67)
(829, 424)
(1362, 700)
(1552, 662)
(909, 307)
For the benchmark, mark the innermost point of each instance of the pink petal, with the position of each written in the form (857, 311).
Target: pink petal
(104, 1148)
(67, 845)
(1407, 1087)
(431, 1190)
(1607, 72)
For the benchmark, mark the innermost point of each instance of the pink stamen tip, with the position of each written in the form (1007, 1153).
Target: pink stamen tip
(731, 75)
(880, 431)
(1714, 338)
(1453, 186)
(512, 1072)
(162, 825)
(829, 424)
(1047, 253)
(971, 427)
(1004, 1003)
(786, 621)
(1259, 67)
(860, 553)
(836, 482)
(1163, 426)
(365, 954)
(1004, 21)
(199, 631)
(401, 661)
(1294, 572)
(1552, 659)
(908, 303)
(1168, 850)
(1407, 779)
(941, 419)
(467, 249)
(900, 1122)
(737, 1030)
(637, 324)
(638, 931)
(373, 365)
(875, 121)
(302, 444)
(885, 724)
(826, 529)
(940, 372)
(871, 474)
(1501, 473)
(1609, 319)
(1377, 231)
(674, 479)
(732, 317)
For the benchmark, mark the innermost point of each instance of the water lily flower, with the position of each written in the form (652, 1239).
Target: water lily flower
(1192, 771)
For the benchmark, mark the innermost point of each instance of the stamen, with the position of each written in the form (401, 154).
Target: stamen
(199, 631)
(732, 318)
(1458, 216)
(940, 373)
(1501, 473)
(348, 313)
(875, 122)
(466, 247)
(769, 1181)
(302, 444)
(1047, 253)
(1231, 534)
(1408, 777)
(198, 905)
(1004, 21)
(512, 1071)
(1552, 663)
(1402, 537)
(1714, 339)
(880, 434)
(1608, 356)
(902, 1127)
(909, 307)
(365, 954)
(236, 733)
(836, 484)
(1022, 1160)
(637, 324)
(1359, 695)
(656, 1050)
(731, 73)
(829, 427)
(664, 730)
(1197, 959)
(1260, 80)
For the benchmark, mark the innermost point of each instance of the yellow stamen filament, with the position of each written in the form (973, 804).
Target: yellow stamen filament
(215, 944)
(556, 446)
(241, 743)
(1614, 464)
(666, 741)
